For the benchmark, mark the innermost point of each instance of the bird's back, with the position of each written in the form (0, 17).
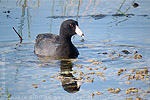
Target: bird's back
(46, 44)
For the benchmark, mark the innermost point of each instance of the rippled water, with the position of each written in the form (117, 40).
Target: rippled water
(108, 55)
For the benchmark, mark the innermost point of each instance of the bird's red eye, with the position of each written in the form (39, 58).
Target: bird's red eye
(71, 25)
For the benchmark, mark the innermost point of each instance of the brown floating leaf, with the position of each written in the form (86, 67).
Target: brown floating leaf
(35, 87)
(99, 93)
(136, 56)
(92, 95)
(112, 90)
(44, 80)
(104, 68)
(127, 82)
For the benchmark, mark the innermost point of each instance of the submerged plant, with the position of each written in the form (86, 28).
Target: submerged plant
(8, 94)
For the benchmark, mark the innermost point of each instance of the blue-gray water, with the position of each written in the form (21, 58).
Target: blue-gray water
(25, 76)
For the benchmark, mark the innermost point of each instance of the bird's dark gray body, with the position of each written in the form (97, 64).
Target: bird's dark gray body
(58, 46)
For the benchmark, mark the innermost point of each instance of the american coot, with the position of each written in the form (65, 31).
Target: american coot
(52, 45)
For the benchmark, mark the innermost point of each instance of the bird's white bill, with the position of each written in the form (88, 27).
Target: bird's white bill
(78, 31)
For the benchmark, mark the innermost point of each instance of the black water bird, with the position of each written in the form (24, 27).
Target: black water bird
(59, 46)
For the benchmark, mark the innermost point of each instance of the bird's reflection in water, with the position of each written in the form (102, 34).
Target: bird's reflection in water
(69, 83)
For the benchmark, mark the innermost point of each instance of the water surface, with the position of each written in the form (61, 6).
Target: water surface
(101, 65)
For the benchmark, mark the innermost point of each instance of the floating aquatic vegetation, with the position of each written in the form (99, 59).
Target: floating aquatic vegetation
(104, 68)
(97, 93)
(126, 51)
(78, 65)
(122, 13)
(8, 94)
(44, 80)
(121, 70)
(135, 5)
(128, 82)
(35, 85)
(92, 95)
(132, 90)
(96, 63)
(138, 74)
(136, 56)
(100, 16)
(113, 90)
(100, 74)
(96, 68)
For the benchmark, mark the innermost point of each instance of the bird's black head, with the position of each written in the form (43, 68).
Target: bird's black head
(69, 28)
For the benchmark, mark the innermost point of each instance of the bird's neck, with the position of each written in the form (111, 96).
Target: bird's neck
(65, 46)
(65, 39)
